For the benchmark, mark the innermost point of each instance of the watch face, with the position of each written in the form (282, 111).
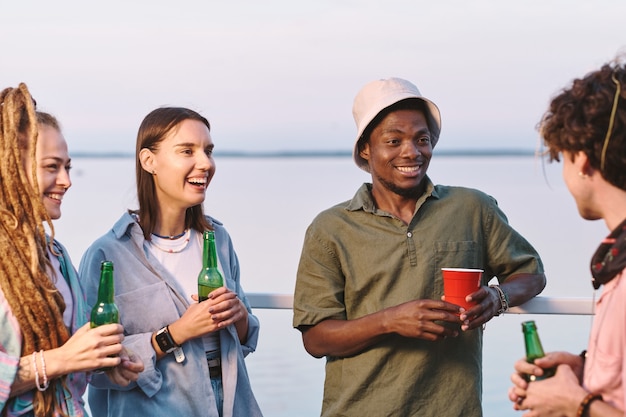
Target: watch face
(164, 341)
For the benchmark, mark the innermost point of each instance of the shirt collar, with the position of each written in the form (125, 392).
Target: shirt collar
(363, 200)
(124, 224)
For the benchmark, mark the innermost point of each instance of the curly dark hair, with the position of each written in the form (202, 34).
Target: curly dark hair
(582, 118)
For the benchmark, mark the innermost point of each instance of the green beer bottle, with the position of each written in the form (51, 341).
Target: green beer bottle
(105, 311)
(534, 350)
(209, 278)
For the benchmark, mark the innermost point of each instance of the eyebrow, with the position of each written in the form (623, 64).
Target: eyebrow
(56, 158)
(191, 145)
(395, 130)
(185, 145)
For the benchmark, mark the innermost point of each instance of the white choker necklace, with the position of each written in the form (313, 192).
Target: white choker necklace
(171, 248)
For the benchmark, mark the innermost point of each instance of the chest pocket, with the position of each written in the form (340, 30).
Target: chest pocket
(462, 254)
(146, 309)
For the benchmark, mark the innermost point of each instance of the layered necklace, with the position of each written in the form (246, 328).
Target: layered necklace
(182, 242)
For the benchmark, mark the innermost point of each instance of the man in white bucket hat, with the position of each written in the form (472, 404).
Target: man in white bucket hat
(369, 287)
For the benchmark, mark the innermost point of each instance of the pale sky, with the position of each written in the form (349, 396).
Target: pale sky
(282, 75)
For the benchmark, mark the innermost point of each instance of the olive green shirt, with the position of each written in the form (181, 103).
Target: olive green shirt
(358, 260)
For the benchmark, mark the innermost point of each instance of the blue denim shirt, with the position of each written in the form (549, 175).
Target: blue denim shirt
(149, 298)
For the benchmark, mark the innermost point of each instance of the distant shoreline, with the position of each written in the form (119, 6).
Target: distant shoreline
(320, 153)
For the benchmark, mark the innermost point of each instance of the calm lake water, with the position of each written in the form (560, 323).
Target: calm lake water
(266, 203)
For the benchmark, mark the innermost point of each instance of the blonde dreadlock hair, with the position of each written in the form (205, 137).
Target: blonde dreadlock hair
(32, 296)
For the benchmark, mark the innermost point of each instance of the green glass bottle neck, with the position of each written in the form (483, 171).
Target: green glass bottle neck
(209, 258)
(534, 348)
(106, 289)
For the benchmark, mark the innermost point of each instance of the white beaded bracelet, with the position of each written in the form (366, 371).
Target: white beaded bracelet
(46, 383)
(43, 370)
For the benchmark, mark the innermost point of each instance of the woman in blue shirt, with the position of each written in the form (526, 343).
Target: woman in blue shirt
(194, 351)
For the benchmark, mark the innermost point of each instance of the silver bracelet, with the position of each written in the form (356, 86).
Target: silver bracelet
(504, 300)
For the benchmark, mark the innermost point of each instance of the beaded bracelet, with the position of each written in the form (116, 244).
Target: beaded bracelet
(504, 299)
(46, 383)
(43, 371)
(586, 403)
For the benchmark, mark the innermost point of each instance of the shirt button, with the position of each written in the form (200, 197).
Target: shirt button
(409, 234)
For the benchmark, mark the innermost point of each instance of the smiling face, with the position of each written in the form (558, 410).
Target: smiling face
(182, 166)
(53, 168)
(398, 153)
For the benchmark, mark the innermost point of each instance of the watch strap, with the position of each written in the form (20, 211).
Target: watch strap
(167, 328)
(179, 354)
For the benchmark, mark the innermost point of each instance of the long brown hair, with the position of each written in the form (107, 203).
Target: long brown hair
(33, 298)
(154, 128)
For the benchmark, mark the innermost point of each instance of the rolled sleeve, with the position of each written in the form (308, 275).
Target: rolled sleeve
(508, 252)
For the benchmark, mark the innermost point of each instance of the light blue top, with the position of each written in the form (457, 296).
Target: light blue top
(149, 298)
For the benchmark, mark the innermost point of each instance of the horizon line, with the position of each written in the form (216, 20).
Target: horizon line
(315, 153)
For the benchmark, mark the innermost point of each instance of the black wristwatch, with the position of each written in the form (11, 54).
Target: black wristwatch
(165, 341)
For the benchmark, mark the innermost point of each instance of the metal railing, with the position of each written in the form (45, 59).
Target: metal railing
(537, 305)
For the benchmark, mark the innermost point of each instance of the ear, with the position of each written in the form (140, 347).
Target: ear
(365, 152)
(581, 161)
(146, 158)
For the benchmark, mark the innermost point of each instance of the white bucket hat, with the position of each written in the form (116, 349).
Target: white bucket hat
(376, 96)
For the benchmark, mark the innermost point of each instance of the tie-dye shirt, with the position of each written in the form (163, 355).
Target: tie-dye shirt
(71, 398)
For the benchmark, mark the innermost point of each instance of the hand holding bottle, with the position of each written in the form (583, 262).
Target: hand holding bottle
(87, 349)
(227, 308)
(219, 310)
(549, 374)
(560, 392)
(553, 359)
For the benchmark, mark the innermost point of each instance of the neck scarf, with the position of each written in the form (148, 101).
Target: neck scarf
(610, 257)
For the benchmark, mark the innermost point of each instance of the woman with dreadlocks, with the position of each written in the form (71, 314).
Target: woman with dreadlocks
(586, 125)
(46, 345)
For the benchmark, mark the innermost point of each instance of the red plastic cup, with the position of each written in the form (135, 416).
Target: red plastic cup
(458, 283)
